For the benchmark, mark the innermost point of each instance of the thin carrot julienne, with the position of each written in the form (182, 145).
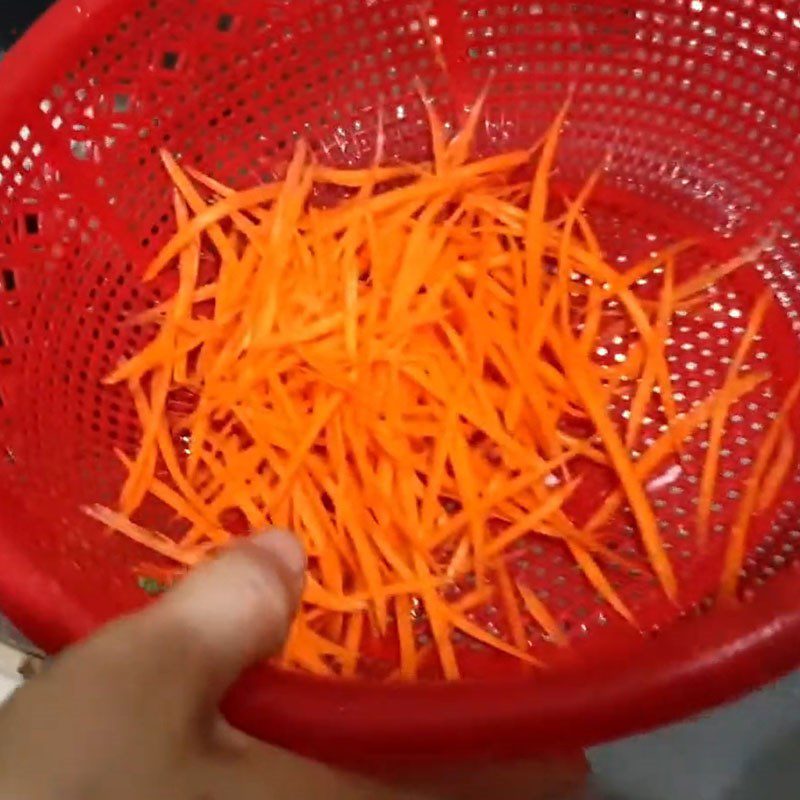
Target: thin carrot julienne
(541, 614)
(720, 414)
(776, 476)
(406, 378)
(748, 506)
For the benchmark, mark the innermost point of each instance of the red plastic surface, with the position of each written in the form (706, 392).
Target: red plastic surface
(700, 106)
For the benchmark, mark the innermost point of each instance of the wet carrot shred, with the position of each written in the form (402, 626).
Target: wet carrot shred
(397, 376)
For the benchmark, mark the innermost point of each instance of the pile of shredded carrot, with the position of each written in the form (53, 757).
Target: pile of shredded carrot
(399, 378)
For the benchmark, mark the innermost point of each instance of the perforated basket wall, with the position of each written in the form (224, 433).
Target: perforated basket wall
(699, 104)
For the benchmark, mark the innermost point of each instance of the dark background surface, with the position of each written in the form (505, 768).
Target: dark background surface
(15, 18)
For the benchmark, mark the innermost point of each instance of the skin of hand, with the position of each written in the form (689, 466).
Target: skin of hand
(133, 713)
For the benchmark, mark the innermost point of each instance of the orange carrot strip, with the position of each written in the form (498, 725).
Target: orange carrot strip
(513, 616)
(315, 595)
(527, 523)
(204, 220)
(153, 540)
(737, 542)
(708, 277)
(352, 644)
(599, 581)
(541, 615)
(773, 480)
(591, 394)
(459, 147)
(655, 353)
(319, 419)
(535, 225)
(440, 626)
(684, 426)
(719, 416)
(405, 635)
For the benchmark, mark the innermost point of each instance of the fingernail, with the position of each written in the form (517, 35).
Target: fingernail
(284, 546)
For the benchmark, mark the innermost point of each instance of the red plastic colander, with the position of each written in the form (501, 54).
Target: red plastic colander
(699, 102)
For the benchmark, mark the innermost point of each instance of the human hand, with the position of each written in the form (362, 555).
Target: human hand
(133, 712)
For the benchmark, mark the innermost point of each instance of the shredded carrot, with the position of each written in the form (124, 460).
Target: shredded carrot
(706, 278)
(541, 615)
(654, 354)
(597, 578)
(776, 476)
(720, 414)
(352, 644)
(407, 378)
(405, 636)
(737, 542)
(157, 542)
(591, 393)
(527, 523)
(513, 616)
(655, 455)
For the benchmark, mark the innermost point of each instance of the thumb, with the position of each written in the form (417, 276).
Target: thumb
(229, 613)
